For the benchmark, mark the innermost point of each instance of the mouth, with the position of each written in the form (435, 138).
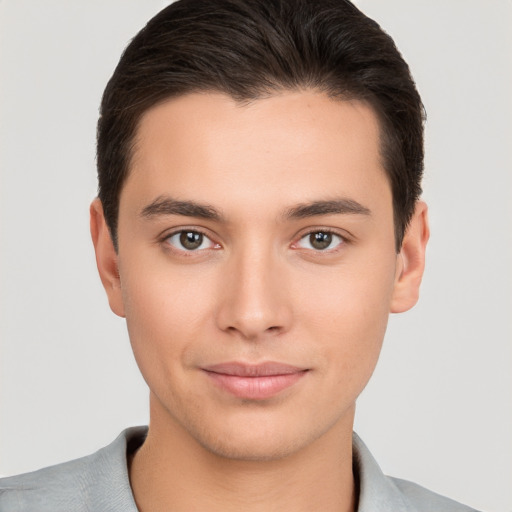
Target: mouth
(254, 382)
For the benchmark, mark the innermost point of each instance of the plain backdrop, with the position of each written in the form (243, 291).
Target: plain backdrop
(438, 410)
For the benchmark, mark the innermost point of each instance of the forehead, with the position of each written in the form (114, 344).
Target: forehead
(290, 145)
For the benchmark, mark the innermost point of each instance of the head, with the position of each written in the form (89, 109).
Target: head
(258, 216)
(253, 49)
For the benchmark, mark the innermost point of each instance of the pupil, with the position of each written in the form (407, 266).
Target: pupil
(191, 240)
(320, 240)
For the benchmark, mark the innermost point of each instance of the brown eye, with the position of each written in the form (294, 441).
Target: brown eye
(189, 240)
(320, 241)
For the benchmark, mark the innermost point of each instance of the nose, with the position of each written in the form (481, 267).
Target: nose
(255, 300)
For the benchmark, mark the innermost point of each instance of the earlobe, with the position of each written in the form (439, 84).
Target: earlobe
(106, 257)
(411, 261)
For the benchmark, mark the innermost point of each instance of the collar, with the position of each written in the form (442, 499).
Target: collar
(376, 490)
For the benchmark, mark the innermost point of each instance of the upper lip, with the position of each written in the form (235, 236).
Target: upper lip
(253, 370)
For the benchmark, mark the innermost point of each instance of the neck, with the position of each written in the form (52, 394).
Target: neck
(172, 471)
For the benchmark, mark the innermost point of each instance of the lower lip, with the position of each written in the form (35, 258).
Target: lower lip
(255, 388)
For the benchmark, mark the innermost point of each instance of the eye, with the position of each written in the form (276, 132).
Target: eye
(190, 240)
(320, 241)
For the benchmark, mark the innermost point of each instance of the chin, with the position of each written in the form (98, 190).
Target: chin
(255, 449)
(259, 439)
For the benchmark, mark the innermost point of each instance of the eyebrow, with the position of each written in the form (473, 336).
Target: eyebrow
(165, 205)
(341, 206)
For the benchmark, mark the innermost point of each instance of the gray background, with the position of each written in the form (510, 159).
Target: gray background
(438, 410)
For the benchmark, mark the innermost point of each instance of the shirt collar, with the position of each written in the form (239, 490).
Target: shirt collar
(376, 490)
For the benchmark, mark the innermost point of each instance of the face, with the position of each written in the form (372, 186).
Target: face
(256, 267)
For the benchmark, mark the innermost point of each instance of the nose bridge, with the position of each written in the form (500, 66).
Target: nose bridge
(253, 301)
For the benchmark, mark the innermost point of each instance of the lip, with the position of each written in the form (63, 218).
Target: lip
(254, 381)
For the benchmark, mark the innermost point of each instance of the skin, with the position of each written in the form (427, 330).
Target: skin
(256, 290)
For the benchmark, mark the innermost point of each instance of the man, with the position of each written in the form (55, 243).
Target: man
(258, 218)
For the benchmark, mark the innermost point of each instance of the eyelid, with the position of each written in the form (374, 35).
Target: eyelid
(345, 239)
(163, 239)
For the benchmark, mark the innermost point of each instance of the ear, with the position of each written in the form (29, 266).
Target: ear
(106, 258)
(411, 261)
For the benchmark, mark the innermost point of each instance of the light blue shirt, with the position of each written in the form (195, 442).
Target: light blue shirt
(100, 483)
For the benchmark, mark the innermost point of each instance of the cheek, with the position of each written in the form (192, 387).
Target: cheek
(350, 312)
(165, 311)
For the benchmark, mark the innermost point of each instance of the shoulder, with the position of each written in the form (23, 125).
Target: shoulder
(61, 487)
(424, 500)
(387, 494)
(96, 482)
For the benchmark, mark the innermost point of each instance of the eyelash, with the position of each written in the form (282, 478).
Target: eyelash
(165, 240)
(325, 231)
